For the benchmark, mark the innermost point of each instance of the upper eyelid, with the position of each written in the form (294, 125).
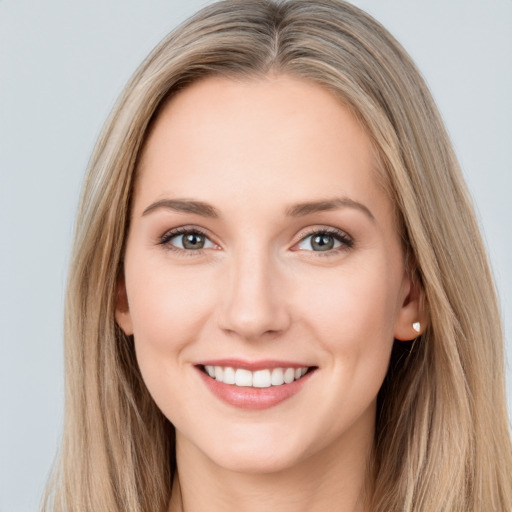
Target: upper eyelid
(328, 230)
(181, 230)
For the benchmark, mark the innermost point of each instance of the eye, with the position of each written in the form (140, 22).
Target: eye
(325, 241)
(187, 239)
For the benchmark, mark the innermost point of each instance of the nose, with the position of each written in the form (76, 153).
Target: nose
(253, 298)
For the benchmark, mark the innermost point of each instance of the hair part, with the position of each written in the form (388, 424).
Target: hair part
(442, 434)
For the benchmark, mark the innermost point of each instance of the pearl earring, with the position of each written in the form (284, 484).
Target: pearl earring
(416, 326)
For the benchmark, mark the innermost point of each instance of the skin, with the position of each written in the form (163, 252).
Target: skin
(258, 289)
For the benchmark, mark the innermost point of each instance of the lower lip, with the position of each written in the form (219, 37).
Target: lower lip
(253, 398)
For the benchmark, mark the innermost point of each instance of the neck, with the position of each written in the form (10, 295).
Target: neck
(333, 479)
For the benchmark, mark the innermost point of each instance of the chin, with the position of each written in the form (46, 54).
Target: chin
(255, 451)
(256, 461)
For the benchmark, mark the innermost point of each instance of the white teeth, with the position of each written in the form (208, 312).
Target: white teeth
(289, 375)
(257, 379)
(261, 379)
(243, 377)
(229, 375)
(219, 373)
(277, 377)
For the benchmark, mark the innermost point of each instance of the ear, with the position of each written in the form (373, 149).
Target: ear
(123, 317)
(411, 318)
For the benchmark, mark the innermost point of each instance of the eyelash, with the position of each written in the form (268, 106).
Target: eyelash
(345, 240)
(167, 237)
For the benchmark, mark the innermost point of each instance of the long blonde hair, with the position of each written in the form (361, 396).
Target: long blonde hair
(442, 436)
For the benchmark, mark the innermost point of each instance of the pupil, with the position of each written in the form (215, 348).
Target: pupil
(193, 241)
(322, 242)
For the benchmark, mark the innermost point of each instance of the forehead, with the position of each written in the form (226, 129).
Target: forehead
(232, 140)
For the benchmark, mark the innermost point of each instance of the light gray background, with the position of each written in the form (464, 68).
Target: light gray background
(62, 64)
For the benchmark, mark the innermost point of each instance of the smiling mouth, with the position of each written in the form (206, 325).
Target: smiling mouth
(263, 378)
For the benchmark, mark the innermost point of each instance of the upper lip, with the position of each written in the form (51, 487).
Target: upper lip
(253, 365)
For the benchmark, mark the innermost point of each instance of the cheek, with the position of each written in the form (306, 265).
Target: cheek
(353, 303)
(166, 305)
(352, 316)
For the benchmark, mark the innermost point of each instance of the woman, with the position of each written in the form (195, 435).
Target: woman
(278, 294)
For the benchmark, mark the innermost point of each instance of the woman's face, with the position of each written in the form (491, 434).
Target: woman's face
(260, 241)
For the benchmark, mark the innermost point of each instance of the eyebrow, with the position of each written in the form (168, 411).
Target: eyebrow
(183, 206)
(302, 209)
(297, 210)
